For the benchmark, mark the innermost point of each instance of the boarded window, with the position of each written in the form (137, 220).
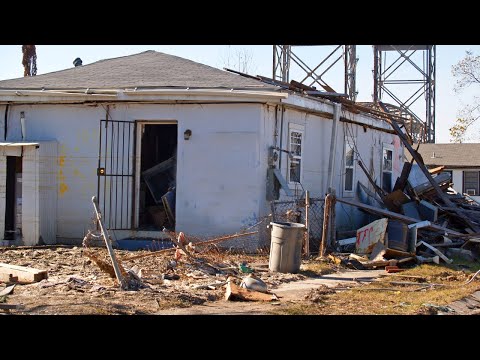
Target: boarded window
(295, 160)
(470, 182)
(387, 169)
(349, 168)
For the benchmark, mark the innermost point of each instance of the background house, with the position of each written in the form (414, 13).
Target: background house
(152, 132)
(461, 160)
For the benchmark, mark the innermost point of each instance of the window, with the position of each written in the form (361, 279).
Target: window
(295, 160)
(470, 182)
(387, 168)
(349, 164)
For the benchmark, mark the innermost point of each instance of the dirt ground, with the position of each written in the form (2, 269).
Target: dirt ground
(77, 286)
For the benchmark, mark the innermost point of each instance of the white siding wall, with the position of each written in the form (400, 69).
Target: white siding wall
(30, 196)
(220, 170)
(316, 154)
(47, 175)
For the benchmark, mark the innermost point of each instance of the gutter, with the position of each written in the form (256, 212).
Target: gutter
(135, 92)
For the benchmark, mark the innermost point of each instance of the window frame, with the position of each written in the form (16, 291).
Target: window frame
(386, 147)
(292, 127)
(477, 188)
(348, 141)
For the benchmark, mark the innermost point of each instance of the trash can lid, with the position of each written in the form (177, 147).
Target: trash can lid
(287, 225)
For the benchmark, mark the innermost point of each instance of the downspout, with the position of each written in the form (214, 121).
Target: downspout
(281, 138)
(5, 124)
(333, 146)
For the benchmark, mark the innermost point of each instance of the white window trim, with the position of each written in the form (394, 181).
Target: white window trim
(386, 146)
(464, 187)
(301, 129)
(348, 140)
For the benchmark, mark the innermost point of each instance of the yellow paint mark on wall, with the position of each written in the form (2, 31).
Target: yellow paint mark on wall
(77, 173)
(63, 188)
(61, 160)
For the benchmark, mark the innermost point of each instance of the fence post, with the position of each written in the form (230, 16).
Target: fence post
(307, 229)
(326, 220)
(332, 239)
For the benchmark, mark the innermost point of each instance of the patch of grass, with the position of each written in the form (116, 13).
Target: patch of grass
(314, 268)
(381, 297)
(297, 309)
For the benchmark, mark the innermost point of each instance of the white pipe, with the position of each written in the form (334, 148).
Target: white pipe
(333, 146)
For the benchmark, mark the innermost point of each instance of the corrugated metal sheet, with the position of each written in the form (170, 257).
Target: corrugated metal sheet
(48, 191)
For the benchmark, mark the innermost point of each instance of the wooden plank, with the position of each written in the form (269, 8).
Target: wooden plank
(395, 200)
(234, 292)
(396, 216)
(106, 237)
(436, 169)
(8, 277)
(10, 306)
(436, 251)
(402, 180)
(369, 235)
(23, 274)
(418, 159)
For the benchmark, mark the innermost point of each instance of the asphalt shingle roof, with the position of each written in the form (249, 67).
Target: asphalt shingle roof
(146, 69)
(450, 155)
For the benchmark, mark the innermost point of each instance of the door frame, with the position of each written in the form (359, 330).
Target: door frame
(138, 158)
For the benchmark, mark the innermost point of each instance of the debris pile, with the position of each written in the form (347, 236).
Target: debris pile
(421, 220)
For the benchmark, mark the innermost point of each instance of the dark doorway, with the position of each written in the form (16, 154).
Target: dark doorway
(13, 199)
(158, 169)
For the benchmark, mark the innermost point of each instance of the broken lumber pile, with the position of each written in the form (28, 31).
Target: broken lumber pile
(421, 219)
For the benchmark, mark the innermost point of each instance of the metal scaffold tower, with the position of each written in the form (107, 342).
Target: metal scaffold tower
(389, 76)
(283, 55)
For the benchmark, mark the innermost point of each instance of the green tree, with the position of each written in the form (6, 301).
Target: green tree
(466, 73)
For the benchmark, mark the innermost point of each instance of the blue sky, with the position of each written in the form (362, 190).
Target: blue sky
(58, 57)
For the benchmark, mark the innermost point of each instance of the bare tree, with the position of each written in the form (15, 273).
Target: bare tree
(29, 60)
(240, 60)
(467, 73)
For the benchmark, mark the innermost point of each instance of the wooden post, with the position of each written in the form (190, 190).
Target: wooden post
(307, 230)
(326, 220)
(105, 235)
(333, 229)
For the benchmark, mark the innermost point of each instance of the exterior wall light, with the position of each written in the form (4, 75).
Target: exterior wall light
(187, 134)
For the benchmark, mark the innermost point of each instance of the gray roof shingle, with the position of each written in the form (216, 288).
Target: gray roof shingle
(451, 155)
(146, 69)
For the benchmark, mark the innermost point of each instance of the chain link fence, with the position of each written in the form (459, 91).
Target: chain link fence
(295, 210)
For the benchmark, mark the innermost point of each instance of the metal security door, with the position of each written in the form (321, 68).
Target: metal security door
(116, 173)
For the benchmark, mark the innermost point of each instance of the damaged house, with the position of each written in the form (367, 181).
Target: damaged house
(458, 160)
(163, 141)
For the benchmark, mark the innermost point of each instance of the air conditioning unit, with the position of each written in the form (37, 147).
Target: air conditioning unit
(471, 192)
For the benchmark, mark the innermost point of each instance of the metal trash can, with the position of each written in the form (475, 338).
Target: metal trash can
(286, 247)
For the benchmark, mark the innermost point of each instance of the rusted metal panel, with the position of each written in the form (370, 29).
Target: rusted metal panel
(369, 235)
